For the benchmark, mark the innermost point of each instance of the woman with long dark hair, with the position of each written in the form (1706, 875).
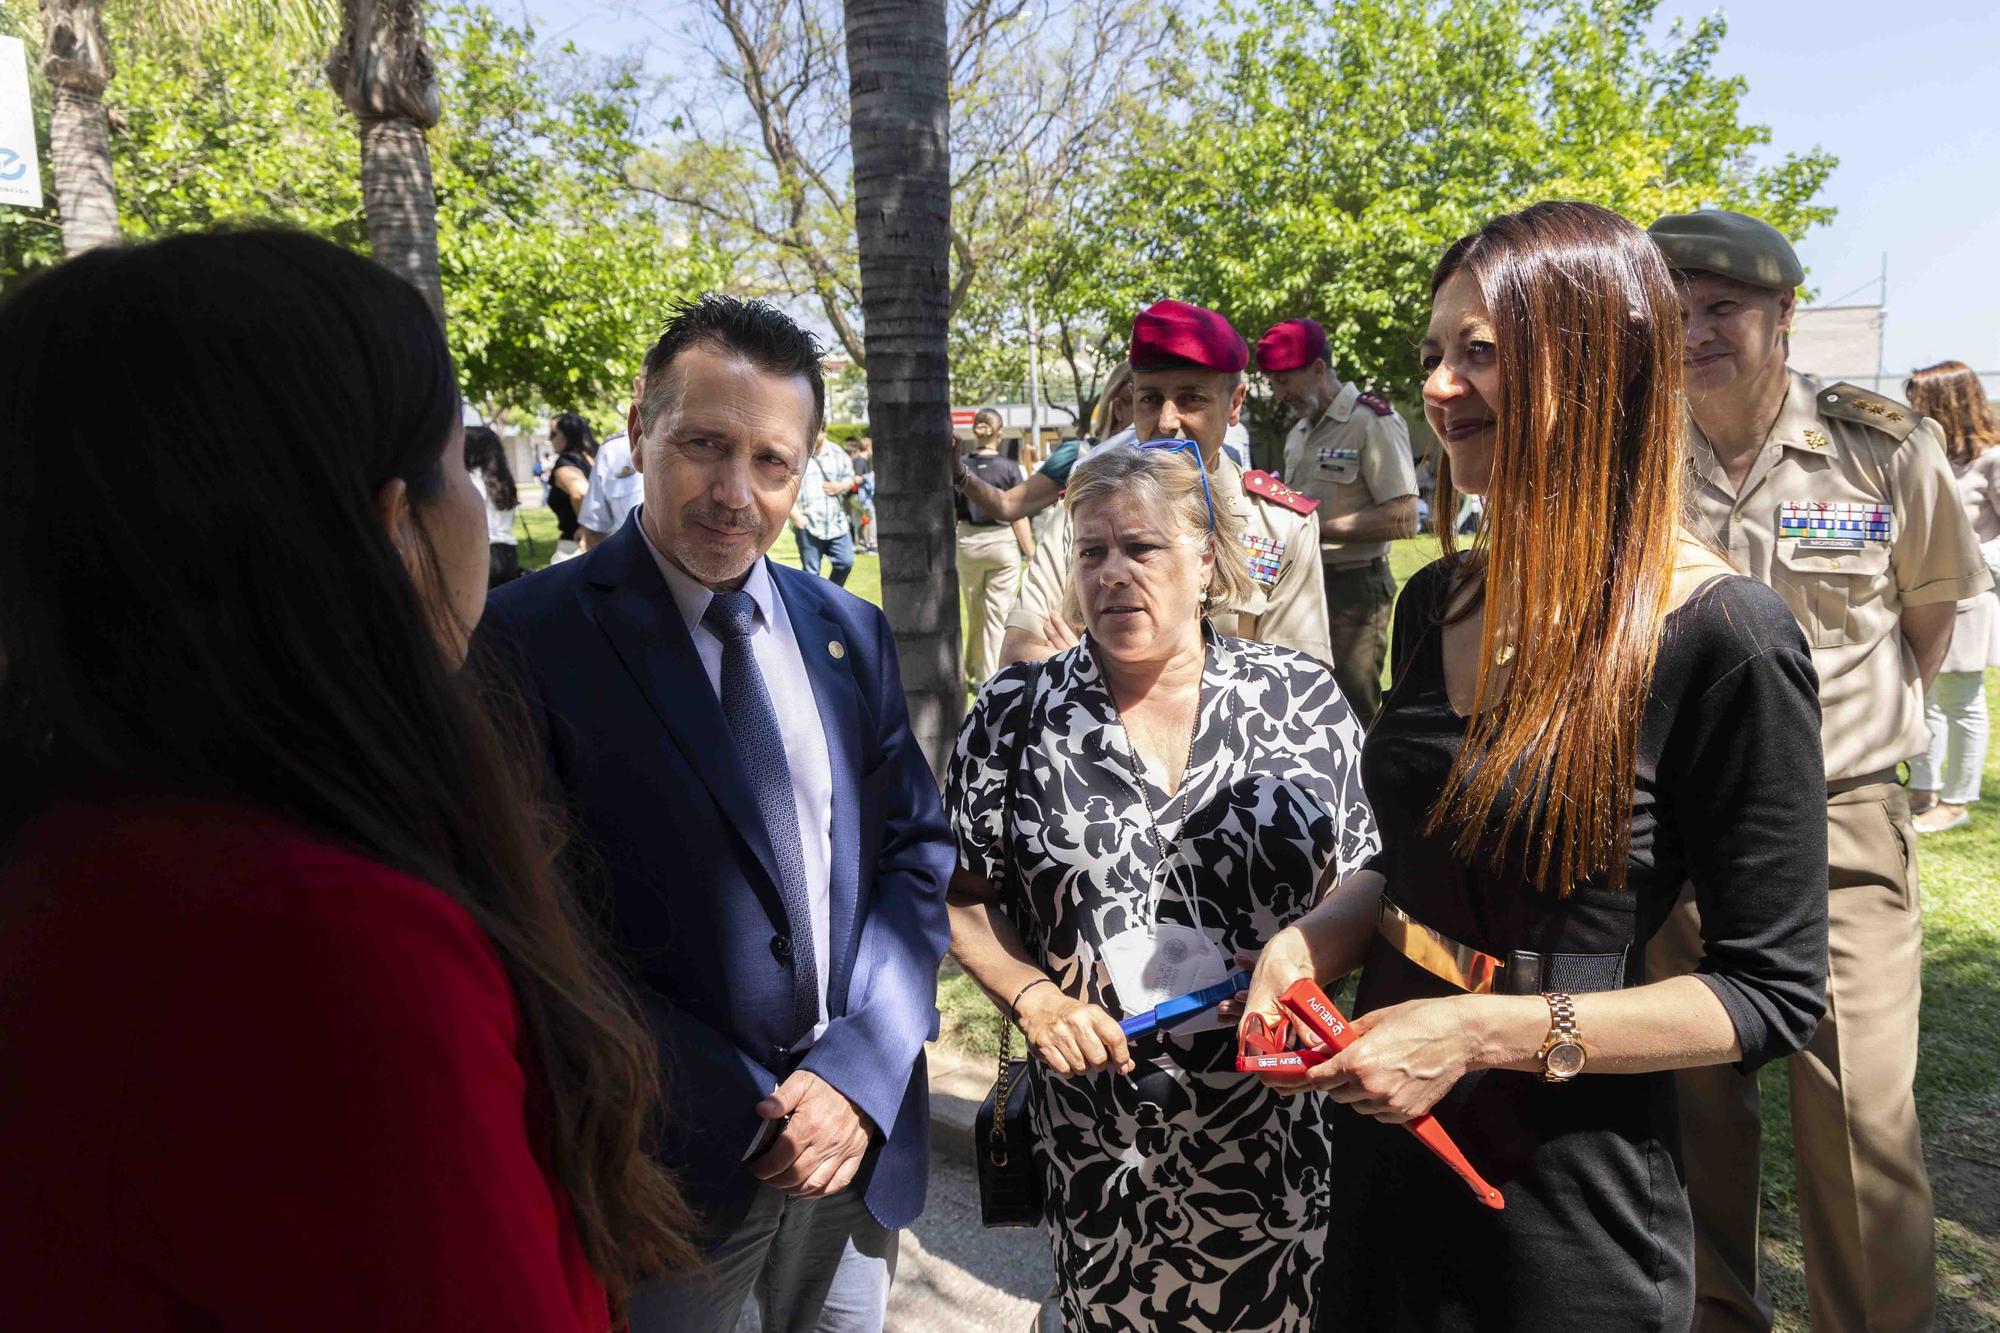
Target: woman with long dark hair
(486, 459)
(569, 476)
(1945, 779)
(1590, 709)
(299, 1029)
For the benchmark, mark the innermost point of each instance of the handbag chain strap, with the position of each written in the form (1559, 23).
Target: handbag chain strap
(1003, 1089)
(1003, 1083)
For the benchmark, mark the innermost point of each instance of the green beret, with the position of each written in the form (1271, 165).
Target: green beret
(1731, 244)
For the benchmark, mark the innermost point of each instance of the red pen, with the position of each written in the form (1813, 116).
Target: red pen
(1308, 1005)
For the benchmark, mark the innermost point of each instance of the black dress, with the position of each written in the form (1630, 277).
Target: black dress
(1729, 795)
(560, 503)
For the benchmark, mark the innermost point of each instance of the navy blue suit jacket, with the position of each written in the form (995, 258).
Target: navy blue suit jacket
(637, 740)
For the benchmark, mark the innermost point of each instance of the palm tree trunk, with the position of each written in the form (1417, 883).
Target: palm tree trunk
(383, 71)
(899, 98)
(77, 60)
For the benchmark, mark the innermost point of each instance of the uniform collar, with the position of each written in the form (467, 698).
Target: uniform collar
(1798, 426)
(1225, 479)
(1342, 406)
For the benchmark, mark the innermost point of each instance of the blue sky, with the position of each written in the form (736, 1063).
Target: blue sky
(1908, 97)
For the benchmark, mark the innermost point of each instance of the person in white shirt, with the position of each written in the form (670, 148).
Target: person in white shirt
(819, 515)
(486, 460)
(616, 488)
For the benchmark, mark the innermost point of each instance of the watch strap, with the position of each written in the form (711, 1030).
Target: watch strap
(1562, 1030)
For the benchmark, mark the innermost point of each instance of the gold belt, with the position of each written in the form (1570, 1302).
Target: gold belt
(1439, 954)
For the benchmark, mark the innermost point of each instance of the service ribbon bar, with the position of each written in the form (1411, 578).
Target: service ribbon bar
(1266, 556)
(1818, 520)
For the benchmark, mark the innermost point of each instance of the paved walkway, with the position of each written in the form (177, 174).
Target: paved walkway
(953, 1275)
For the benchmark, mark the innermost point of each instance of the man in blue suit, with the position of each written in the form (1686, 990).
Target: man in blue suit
(733, 739)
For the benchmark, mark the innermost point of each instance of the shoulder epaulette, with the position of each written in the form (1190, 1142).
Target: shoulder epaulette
(1267, 487)
(1375, 403)
(1850, 402)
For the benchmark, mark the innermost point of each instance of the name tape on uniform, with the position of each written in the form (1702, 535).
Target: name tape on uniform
(1835, 522)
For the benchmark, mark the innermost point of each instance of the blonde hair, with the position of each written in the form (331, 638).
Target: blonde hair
(1169, 484)
(1119, 380)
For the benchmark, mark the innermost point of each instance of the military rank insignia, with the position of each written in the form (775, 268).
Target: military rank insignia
(1375, 403)
(1820, 525)
(1266, 554)
(1268, 487)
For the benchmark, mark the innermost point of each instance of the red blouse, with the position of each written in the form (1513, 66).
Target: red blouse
(252, 1081)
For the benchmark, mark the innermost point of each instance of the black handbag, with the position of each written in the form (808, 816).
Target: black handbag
(1010, 1179)
(1003, 1133)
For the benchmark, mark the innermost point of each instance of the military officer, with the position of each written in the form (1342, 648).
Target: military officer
(1351, 452)
(1842, 501)
(990, 549)
(1188, 366)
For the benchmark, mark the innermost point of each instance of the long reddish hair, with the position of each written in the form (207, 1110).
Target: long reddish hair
(1950, 393)
(1577, 548)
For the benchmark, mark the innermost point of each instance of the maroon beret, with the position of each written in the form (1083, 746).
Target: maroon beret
(1174, 333)
(1291, 345)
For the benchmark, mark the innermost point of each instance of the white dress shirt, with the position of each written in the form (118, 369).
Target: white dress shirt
(776, 649)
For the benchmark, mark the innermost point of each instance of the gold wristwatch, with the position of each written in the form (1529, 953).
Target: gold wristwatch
(1562, 1055)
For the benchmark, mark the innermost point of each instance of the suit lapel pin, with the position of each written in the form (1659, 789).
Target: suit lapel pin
(836, 649)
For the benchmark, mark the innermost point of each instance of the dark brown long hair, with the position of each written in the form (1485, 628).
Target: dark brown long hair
(1950, 393)
(1578, 543)
(198, 592)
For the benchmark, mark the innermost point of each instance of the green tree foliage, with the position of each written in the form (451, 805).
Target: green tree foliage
(1322, 153)
(556, 272)
(1040, 90)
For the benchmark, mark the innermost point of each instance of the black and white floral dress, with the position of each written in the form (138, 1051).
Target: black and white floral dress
(1185, 1196)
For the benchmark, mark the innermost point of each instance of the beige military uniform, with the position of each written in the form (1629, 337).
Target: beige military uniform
(1355, 456)
(1850, 513)
(1287, 604)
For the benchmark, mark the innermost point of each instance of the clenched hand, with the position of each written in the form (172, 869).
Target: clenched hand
(821, 1148)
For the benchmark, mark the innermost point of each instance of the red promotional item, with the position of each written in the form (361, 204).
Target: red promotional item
(1262, 1051)
(1314, 1013)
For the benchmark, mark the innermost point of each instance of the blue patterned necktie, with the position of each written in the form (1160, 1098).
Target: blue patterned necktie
(746, 704)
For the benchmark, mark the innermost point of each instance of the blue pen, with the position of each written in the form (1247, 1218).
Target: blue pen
(1171, 1013)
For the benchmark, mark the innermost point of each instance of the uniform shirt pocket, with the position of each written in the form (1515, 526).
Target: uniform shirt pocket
(1839, 595)
(1337, 467)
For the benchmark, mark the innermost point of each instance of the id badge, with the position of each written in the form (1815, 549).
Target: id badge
(1149, 965)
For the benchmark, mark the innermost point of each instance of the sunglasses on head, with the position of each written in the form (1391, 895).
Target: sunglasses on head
(1194, 452)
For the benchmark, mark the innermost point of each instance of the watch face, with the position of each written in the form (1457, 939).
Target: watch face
(1565, 1059)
